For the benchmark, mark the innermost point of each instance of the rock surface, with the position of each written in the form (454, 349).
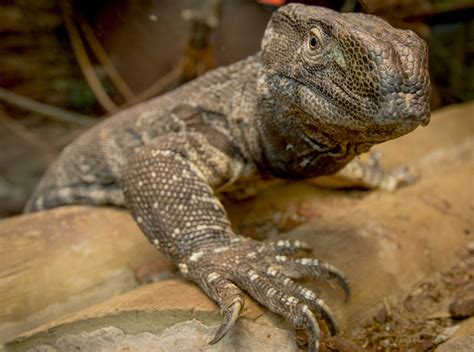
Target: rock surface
(462, 340)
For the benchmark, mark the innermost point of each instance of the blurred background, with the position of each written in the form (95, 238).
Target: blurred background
(64, 65)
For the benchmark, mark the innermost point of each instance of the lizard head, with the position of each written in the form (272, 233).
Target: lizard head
(352, 74)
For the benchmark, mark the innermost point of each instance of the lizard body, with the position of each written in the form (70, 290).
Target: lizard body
(324, 88)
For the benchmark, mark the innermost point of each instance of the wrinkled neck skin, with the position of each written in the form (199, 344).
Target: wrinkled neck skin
(293, 144)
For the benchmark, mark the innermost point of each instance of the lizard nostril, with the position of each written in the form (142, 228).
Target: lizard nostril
(425, 120)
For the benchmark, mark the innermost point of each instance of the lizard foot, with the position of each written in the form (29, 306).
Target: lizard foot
(266, 272)
(393, 179)
(400, 176)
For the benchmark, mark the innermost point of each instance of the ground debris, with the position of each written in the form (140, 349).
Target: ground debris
(446, 334)
(339, 344)
(462, 308)
(421, 320)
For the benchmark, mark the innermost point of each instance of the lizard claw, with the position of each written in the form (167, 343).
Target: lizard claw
(312, 328)
(230, 317)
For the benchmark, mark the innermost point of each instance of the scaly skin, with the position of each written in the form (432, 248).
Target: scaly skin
(324, 88)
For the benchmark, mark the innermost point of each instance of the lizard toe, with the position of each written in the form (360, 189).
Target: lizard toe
(229, 297)
(289, 247)
(307, 296)
(404, 175)
(298, 268)
(279, 299)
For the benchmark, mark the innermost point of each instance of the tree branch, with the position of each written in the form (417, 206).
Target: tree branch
(104, 60)
(49, 111)
(84, 62)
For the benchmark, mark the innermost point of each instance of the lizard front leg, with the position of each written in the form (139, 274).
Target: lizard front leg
(371, 175)
(368, 174)
(169, 188)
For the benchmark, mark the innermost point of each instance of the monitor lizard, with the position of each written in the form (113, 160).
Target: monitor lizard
(324, 88)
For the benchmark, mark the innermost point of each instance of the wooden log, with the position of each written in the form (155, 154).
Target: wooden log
(58, 261)
(385, 242)
(159, 317)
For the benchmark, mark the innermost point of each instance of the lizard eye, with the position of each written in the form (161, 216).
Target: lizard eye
(315, 39)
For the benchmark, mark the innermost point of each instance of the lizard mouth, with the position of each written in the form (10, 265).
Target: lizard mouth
(333, 107)
(314, 95)
(354, 107)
